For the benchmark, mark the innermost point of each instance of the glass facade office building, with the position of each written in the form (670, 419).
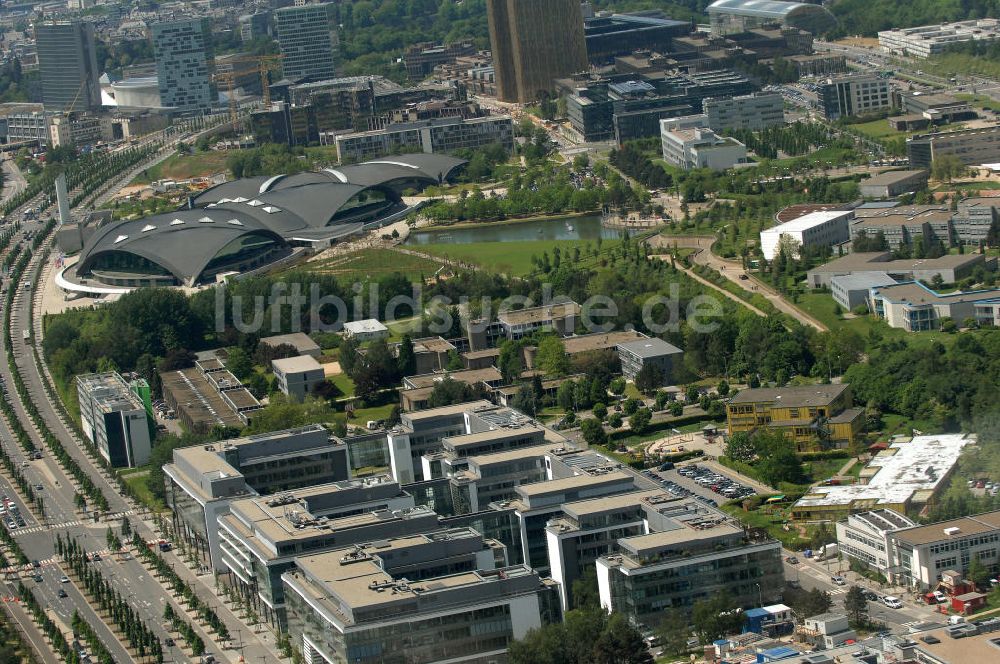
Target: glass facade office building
(185, 64)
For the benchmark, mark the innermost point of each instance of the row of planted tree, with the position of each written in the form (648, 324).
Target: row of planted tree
(198, 606)
(104, 595)
(84, 175)
(58, 640)
(82, 479)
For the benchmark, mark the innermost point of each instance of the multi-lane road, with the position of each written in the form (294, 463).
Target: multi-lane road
(37, 536)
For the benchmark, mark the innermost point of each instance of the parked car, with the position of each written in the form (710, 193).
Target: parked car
(940, 597)
(892, 602)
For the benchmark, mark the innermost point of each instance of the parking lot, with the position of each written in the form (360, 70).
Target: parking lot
(702, 483)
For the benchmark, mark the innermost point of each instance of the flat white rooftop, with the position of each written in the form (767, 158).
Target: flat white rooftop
(368, 325)
(903, 469)
(811, 220)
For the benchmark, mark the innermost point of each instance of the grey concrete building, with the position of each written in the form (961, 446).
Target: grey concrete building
(852, 290)
(67, 64)
(690, 553)
(754, 112)
(356, 605)
(440, 135)
(951, 268)
(308, 41)
(185, 64)
(654, 352)
(971, 146)
(298, 376)
(855, 94)
(893, 183)
(202, 480)
(114, 418)
(974, 218)
(260, 538)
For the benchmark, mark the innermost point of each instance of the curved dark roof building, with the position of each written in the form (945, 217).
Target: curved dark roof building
(729, 16)
(250, 223)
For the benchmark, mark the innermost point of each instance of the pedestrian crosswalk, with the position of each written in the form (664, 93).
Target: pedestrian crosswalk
(70, 524)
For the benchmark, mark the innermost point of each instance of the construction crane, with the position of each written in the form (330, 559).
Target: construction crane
(261, 65)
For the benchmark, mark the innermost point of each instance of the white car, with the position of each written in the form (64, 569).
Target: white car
(940, 597)
(892, 602)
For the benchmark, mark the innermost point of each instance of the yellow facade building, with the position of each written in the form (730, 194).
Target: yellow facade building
(814, 417)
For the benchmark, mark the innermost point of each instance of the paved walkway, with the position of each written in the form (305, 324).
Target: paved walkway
(694, 275)
(733, 271)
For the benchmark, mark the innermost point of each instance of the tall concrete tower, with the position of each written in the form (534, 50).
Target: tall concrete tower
(534, 42)
(62, 196)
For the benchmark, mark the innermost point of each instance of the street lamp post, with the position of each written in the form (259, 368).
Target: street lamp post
(760, 595)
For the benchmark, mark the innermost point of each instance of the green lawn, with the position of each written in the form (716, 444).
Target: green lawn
(362, 415)
(981, 101)
(967, 186)
(877, 129)
(821, 469)
(344, 384)
(374, 263)
(137, 481)
(512, 258)
(772, 523)
(182, 167)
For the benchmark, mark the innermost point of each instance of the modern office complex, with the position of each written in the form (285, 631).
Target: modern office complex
(427, 598)
(203, 479)
(855, 94)
(811, 416)
(115, 419)
(921, 554)
(185, 64)
(308, 41)
(914, 307)
(623, 34)
(534, 42)
(816, 229)
(927, 40)
(631, 106)
(905, 224)
(865, 537)
(971, 146)
(753, 112)
(700, 147)
(729, 16)
(904, 478)
(67, 64)
(950, 268)
(441, 135)
(690, 553)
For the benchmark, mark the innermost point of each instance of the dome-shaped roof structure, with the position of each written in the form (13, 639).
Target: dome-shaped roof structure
(733, 15)
(250, 222)
(182, 248)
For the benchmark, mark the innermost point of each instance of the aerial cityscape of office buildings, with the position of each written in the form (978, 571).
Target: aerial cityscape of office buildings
(511, 331)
